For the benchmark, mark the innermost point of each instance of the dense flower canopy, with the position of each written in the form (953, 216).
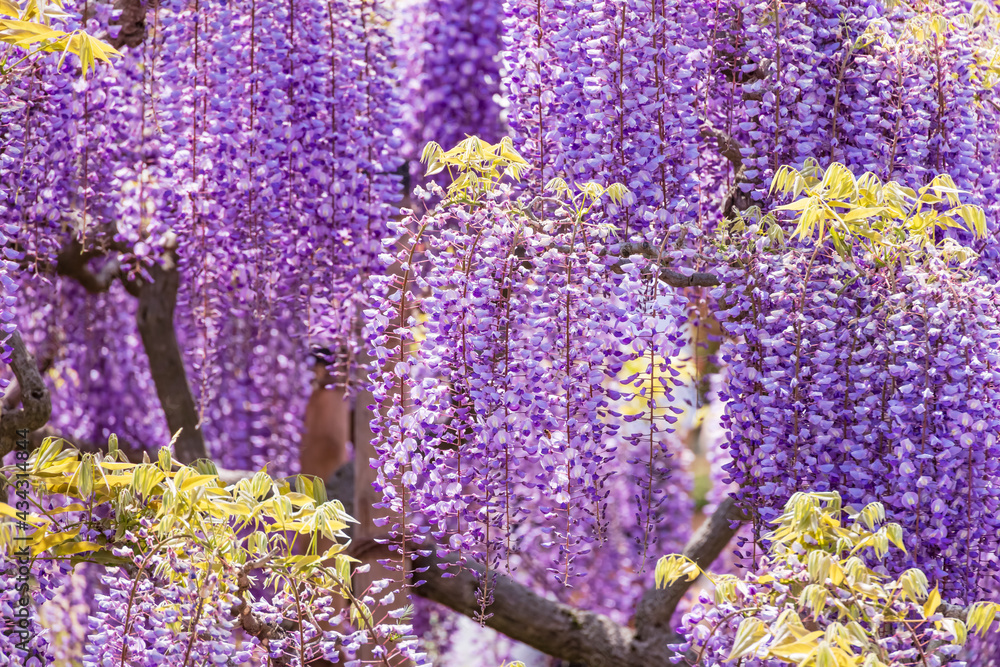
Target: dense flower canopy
(258, 143)
(451, 78)
(527, 336)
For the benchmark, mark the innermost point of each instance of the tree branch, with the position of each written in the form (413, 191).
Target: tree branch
(554, 628)
(36, 404)
(155, 319)
(12, 398)
(571, 634)
(132, 22)
(729, 148)
(73, 262)
(658, 604)
(668, 275)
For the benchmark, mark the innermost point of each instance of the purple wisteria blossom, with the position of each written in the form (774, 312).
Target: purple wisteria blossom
(523, 361)
(450, 78)
(260, 142)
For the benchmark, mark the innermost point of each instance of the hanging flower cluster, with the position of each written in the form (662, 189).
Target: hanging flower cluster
(65, 616)
(22, 630)
(859, 368)
(698, 106)
(524, 345)
(182, 553)
(609, 92)
(901, 91)
(248, 146)
(29, 33)
(75, 143)
(101, 368)
(498, 329)
(618, 559)
(819, 598)
(695, 106)
(451, 72)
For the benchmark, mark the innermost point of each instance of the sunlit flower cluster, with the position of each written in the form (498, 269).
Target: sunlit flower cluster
(257, 140)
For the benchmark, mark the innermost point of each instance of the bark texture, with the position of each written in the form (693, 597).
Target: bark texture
(36, 404)
(132, 31)
(657, 606)
(155, 319)
(559, 630)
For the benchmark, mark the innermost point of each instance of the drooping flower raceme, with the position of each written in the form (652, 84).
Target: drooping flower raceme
(499, 332)
(870, 373)
(820, 598)
(450, 73)
(250, 147)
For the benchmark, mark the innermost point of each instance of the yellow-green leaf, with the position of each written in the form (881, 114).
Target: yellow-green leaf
(825, 656)
(955, 628)
(557, 185)
(73, 507)
(933, 601)
(118, 481)
(196, 481)
(9, 8)
(748, 636)
(914, 584)
(796, 651)
(797, 205)
(70, 548)
(430, 152)
(981, 616)
(52, 539)
(33, 519)
(895, 534)
(24, 33)
(163, 457)
(671, 568)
